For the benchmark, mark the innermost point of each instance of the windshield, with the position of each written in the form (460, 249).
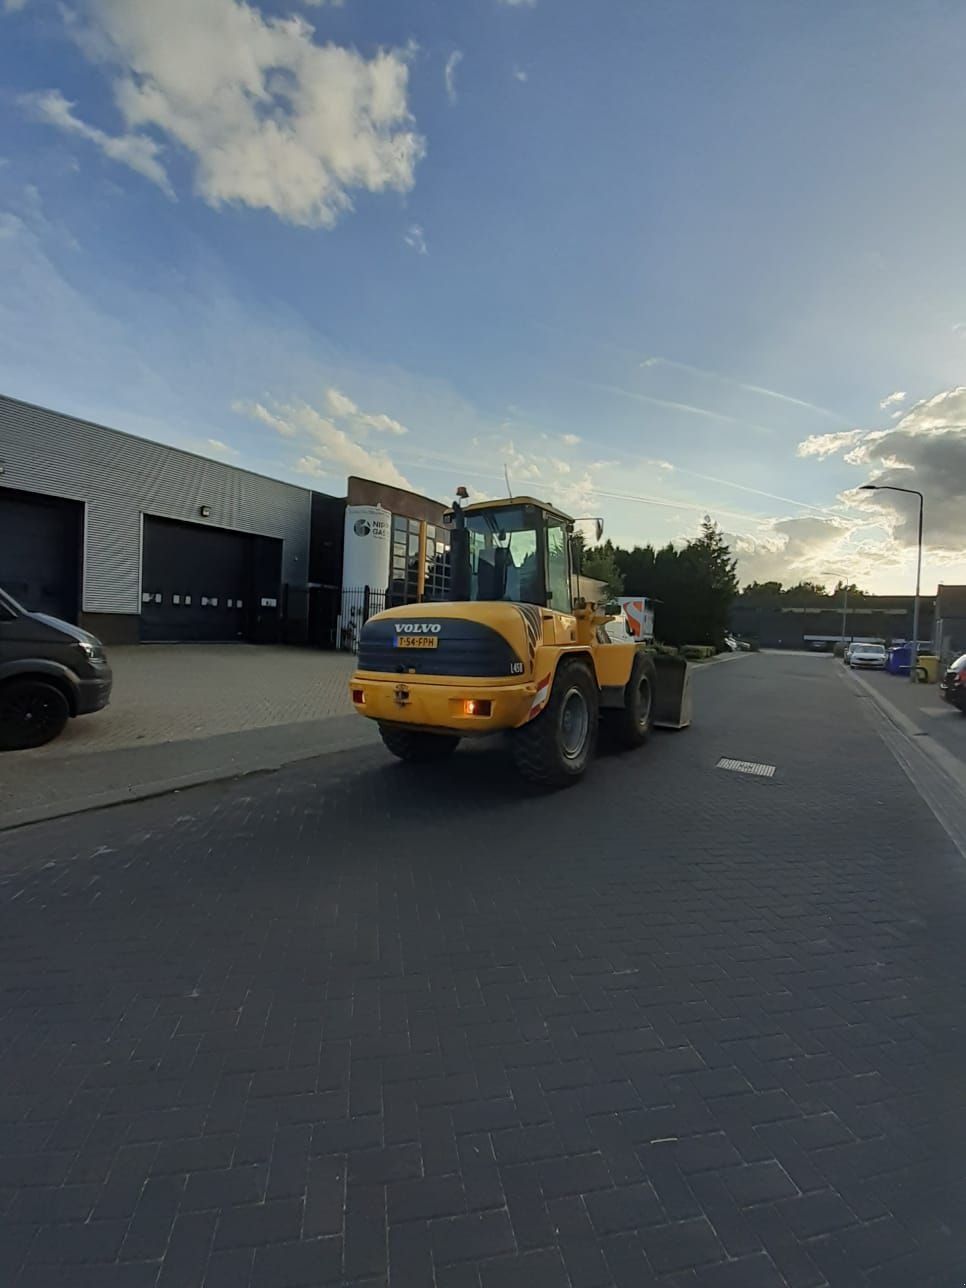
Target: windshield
(504, 555)
(875, 649)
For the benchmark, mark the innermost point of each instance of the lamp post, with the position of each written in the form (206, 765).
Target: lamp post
(887, 487)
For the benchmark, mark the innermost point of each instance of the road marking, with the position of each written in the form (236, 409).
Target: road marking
(939, 711)
(746, 767)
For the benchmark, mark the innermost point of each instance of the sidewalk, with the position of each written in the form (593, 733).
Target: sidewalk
(185, 715)
(927, 738)
(922, 705)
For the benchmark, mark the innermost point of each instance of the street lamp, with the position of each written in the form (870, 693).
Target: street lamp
(887, 487)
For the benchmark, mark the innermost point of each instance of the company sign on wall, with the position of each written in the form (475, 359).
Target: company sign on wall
(367, 543)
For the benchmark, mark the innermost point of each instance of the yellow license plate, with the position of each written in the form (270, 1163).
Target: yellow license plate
(416, 641)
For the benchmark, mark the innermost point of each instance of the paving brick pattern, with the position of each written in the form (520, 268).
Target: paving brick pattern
(173, 693)
(675, 1027)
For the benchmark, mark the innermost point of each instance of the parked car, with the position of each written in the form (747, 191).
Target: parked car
(49, 672)
(868, 656)
(952, 686)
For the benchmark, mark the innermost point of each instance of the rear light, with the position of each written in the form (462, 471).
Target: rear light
(359, 697)
(477, 707)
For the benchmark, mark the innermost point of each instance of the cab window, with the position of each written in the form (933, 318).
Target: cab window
(558, 568)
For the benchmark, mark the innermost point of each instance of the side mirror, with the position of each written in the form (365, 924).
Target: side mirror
(599, 528)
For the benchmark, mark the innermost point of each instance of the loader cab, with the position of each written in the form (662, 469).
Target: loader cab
(516, 551)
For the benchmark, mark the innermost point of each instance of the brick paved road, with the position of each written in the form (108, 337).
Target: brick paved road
(344, 1024)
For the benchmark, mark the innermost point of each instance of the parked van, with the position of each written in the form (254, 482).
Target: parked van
(49, 672)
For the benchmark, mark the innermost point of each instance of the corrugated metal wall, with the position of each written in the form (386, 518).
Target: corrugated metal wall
(121, 478)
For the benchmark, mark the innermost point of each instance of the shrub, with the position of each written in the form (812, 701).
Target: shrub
(697, 652)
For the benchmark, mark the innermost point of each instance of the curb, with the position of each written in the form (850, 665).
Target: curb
(65, 807)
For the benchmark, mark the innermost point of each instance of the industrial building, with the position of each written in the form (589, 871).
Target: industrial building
(139, 542)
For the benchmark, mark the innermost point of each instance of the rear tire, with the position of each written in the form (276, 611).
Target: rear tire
(555, 748)
(630, 725)
(417, 747)
(32, 713)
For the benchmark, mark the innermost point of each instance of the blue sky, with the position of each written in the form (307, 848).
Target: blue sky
(656, 258)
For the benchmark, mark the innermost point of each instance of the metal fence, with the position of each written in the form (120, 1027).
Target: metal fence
(359, 603)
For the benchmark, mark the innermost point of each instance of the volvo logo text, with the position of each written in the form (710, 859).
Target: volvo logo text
(417, 628)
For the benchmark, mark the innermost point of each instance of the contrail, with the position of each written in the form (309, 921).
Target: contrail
(749, 388)
(676, 406)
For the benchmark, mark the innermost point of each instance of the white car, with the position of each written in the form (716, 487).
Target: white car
(867, 656)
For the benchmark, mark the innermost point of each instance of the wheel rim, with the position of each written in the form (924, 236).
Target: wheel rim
(644, 703)
(34, 711)
(574, 724)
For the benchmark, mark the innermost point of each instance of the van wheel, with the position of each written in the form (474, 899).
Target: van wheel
(630, 725)
(555, 748)
(417, 747)
(32, 713)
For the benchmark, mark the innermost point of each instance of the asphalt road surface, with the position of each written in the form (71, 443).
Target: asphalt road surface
(351, 1023)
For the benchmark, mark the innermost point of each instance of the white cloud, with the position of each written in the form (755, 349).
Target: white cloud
(521, 75)
(822, 445)
(310, 465)
(222, 449)
(271, 119)
(13, 6)
(925, 450)
(137, 151)
(518, 4)
(330, 445)
(416, 238)
(341, 407)
(893, 398)
(449, 73)
(570, 440)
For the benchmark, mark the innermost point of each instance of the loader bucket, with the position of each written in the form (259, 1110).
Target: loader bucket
(672, 708)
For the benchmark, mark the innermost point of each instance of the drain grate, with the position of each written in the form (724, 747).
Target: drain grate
(746, 767)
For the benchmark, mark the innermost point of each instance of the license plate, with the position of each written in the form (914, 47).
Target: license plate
(416, 641)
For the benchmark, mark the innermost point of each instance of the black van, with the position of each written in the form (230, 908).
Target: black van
(49, 671)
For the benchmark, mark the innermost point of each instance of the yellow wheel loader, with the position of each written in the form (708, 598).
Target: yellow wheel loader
(514, 652)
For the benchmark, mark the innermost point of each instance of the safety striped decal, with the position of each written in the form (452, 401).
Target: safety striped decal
(540, 697)
(533, 623)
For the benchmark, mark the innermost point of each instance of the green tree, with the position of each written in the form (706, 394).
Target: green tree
(712, 582)
(600, 562)
(692, 588)
(762, 592)
(806, 594)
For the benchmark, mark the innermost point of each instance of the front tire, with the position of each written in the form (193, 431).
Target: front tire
(630, 725)
(32, 713)
(416, 747)
(554, 749)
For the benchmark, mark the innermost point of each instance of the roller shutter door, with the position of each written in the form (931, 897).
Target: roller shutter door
(40, 551)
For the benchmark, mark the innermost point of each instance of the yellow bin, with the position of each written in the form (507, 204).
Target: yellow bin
(927, 672)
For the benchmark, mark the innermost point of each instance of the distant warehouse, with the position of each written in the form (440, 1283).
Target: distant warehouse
(137, 541)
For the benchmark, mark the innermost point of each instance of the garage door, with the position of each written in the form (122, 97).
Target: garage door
(40, 551)
(201, 583)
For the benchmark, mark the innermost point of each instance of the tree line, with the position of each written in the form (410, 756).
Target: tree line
(804, 594)
(692, 586)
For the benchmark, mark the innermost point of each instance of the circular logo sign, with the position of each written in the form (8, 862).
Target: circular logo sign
(362, 527)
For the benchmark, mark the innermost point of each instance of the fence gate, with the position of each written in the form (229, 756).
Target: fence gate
(359, 603)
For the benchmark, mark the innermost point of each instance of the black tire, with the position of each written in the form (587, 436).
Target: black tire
(630, 725)
(555, 748)
(417, 747)
(32, 713)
